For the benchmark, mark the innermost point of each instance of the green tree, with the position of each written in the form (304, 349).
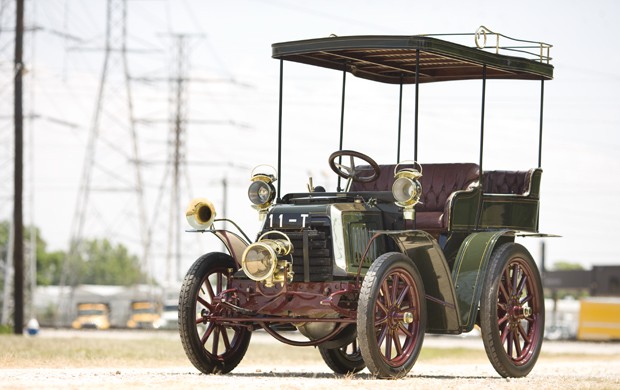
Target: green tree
(101, 262)
(567, 266)
(97, 262)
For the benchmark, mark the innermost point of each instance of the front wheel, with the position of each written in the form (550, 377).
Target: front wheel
(391, 317)
(212, 347)
(512, 311)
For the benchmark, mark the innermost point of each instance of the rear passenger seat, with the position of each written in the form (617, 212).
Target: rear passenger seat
(439, 183)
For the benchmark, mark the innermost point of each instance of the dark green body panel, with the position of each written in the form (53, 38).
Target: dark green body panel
(423, 249)
(464, 210)
(470, 268)
(509, 212)
(358, 230)
(515, 212)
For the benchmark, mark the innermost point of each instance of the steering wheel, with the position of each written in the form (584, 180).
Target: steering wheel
(352, 171)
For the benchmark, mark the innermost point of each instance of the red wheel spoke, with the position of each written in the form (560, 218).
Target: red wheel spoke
(402, 295)
(526, 338)
(405, 330)
(209, 289)
(397, 344)
(515, 277)
(510, 342)
(216, 340)
(207, 333)
(385, 288)
(388, 345)
(394, 292)
(503, 319)
(517, 344)
(525, 299)
(522, 284)
(503, 292)
(504, 332)
(506, 282)
(204, 303)
(225, 339)
(382, 334)
(219, 283)
(382, 306)
(381, 321)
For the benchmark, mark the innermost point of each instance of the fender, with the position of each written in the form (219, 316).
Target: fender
(426, 254)
(470, 267)
(234, 243)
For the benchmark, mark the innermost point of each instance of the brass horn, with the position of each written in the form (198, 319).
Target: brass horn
(200, 213)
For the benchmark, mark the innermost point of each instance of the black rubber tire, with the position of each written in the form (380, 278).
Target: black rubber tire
(345, 360)
(389, 346)
(512, 311)
(212, 348)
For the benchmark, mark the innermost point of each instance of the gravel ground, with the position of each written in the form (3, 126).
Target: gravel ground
(566, 365)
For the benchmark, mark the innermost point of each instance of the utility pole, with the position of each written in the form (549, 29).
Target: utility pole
(18, 236)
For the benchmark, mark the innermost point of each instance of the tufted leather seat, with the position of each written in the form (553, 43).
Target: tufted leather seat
(439, 183)
(507, 182)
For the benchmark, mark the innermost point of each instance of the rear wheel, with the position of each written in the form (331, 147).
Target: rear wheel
(391, 317)
(212, 347)
(512, 311)
(344, 360)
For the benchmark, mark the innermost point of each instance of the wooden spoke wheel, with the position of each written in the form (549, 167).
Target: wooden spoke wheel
(512, 311)
(212, 347)
(344, 360)
(391, 317)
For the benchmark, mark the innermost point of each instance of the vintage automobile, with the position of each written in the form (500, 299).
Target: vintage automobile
(404, 249)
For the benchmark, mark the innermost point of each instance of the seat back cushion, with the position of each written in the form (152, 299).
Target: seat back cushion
(507, 182)
(440, 180)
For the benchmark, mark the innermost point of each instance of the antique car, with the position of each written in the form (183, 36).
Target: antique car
(397, 250)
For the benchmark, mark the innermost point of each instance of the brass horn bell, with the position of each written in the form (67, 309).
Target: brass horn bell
(200, 213)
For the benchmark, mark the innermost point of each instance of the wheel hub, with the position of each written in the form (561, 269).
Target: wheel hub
(516, 311)
(396, 317)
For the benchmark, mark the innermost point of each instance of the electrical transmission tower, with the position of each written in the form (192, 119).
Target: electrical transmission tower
(177, 157)
(110, 201)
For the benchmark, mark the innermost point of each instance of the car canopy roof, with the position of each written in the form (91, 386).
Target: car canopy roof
(392, 59)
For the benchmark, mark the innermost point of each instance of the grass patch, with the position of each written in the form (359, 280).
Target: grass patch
(111, 351)
(6, 329)
(25, 352)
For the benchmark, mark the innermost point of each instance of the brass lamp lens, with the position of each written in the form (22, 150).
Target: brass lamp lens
(258, 262)
(404, 190)
(260, 192)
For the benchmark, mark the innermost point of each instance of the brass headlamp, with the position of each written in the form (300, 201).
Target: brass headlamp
(407, 188)
(261, 191)
(260, 261)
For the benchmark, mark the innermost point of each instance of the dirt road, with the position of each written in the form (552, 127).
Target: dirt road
(566, 365)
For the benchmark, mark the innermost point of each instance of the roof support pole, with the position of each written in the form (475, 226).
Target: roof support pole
(540, 133)
(280, 130)
(400, 116)
(344, 84)
(484, 91)
(417, 99)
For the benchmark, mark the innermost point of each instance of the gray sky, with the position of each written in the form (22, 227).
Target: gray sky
(232, 101)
